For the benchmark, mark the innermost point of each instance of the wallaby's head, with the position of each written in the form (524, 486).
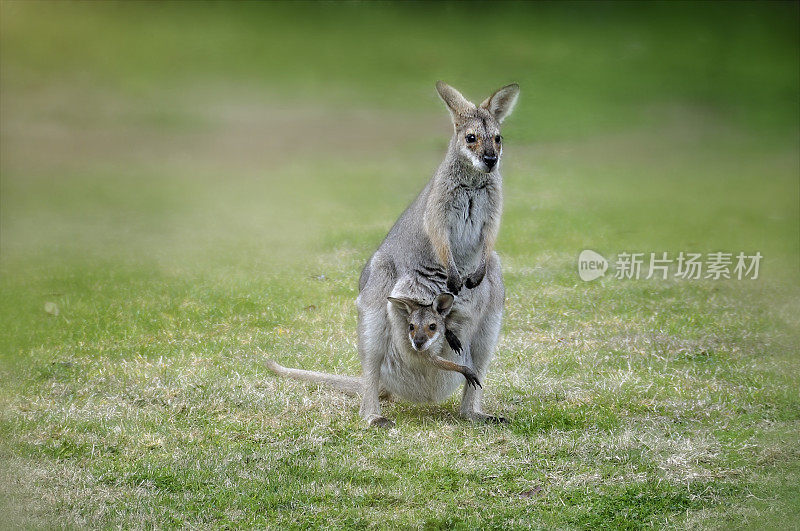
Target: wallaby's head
(425, 321)
(477, 128)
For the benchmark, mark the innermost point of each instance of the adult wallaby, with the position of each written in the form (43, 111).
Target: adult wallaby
(444, 240)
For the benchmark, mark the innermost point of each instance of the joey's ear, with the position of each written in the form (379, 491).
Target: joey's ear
(404, 304)
(501, 103)
(443, 303)
(457, 104)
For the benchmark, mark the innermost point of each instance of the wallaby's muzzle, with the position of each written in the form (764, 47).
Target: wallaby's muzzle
(419, 341)
(490, 159)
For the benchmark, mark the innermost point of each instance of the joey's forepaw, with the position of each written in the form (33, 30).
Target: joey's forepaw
(378, 421)
(472, 379)
(453, 341)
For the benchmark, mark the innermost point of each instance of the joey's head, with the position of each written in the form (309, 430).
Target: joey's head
(425, 322)
(477, 137)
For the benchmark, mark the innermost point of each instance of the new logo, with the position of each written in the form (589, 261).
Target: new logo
(591, 265)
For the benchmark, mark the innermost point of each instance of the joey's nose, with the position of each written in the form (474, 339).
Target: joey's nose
(419, 342)
(490, 161)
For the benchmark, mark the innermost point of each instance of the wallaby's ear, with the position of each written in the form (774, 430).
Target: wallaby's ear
(404, 304)
(457, 104)
(501, 103)
(443, 303)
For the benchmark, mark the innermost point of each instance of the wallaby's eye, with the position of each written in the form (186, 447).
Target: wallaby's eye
(432, 326)
(471, 138)
(498, 138)
(411, 327)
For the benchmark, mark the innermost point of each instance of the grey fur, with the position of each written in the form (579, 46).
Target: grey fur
(445, 236)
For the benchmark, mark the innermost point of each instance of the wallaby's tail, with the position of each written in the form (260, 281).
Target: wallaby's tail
(350, 385)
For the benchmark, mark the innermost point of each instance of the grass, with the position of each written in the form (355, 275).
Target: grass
(194, 186)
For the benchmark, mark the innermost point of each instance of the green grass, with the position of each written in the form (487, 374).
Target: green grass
(196, 187)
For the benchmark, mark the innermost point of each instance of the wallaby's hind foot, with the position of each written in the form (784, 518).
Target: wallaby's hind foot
(483, 417)
(378, 421)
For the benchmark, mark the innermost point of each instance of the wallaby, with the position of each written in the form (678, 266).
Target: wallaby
(442, 242)
(419, 338)
(426, 328)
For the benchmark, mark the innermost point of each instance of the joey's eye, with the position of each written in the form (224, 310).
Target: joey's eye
(432, 326)
(471, 138)
(498, 138)
(411, 327)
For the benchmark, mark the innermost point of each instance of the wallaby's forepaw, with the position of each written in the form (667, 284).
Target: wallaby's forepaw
(496, 420)
(378, 421)
(474, 280)
(472, 379)
(454, 283)
(453, 341)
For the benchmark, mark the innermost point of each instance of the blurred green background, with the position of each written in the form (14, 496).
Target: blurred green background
(189, 182)
(139, 111)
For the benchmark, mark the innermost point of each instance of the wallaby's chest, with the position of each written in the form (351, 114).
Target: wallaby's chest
(469, 210)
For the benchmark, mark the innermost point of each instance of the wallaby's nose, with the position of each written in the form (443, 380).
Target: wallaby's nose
(419, 342)
(490, 160)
